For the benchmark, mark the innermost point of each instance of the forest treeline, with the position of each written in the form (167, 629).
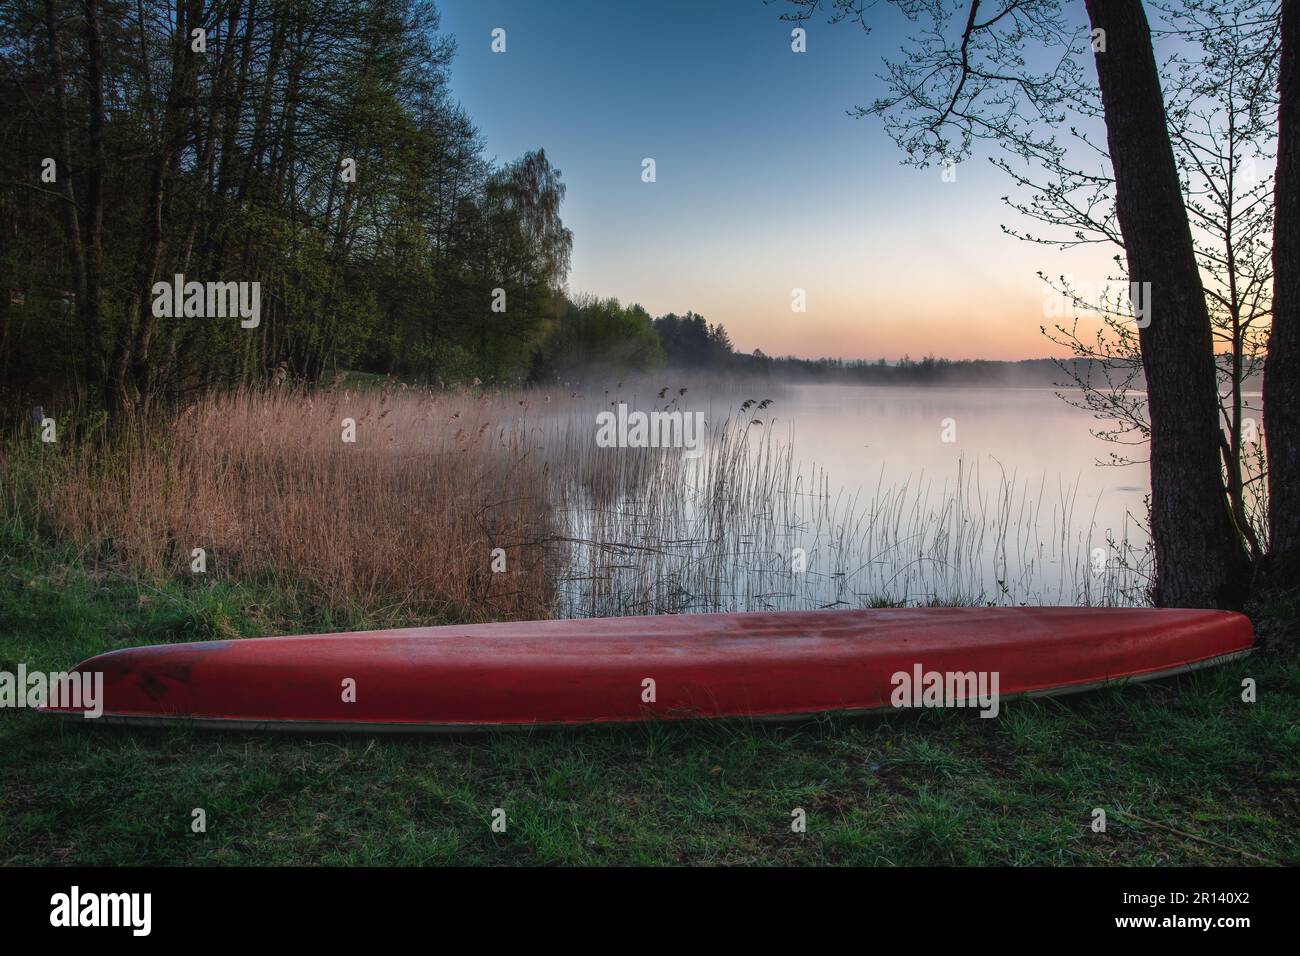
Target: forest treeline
(309, 146)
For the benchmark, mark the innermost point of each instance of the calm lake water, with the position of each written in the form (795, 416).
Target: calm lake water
(866, 436)
(854, 495)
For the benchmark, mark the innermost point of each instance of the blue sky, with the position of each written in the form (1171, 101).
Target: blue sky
(764, 183)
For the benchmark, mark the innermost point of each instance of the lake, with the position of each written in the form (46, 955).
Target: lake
(844, 495)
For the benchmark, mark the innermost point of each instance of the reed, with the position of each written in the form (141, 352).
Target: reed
(404, 519)
(402, 522)
(746, 527)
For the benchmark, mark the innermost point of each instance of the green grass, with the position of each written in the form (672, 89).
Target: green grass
(935, 787)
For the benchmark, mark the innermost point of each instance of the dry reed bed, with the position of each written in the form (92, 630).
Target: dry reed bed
(406, 517)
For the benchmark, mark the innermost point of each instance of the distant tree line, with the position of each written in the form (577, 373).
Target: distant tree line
(602, 336)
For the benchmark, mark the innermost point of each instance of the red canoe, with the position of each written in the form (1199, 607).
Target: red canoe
(616, 670)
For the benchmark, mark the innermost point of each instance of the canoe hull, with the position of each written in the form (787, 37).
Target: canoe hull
(560, 673)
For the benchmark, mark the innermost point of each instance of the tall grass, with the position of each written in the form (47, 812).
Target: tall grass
(404, 521)
(404, 518)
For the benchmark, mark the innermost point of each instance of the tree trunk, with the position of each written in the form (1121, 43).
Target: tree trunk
(1200, 560)
(1281, 387)
(93, 366)
(153, 247)
(93, 307)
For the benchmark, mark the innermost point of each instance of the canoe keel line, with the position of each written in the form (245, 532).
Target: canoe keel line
(779, 665)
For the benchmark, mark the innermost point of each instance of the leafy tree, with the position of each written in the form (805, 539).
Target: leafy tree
(310, 146)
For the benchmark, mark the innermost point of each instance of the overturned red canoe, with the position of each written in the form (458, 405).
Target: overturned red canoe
(616, 670)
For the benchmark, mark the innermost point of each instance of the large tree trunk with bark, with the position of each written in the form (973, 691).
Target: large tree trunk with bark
(1282, 367)
(1200, 558)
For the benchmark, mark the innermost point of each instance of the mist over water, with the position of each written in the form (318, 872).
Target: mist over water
(853, 496)
(865, 436)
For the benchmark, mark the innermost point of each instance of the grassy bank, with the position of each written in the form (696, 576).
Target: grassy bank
(919, 788)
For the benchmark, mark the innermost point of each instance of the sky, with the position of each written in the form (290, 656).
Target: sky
(764, 183)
